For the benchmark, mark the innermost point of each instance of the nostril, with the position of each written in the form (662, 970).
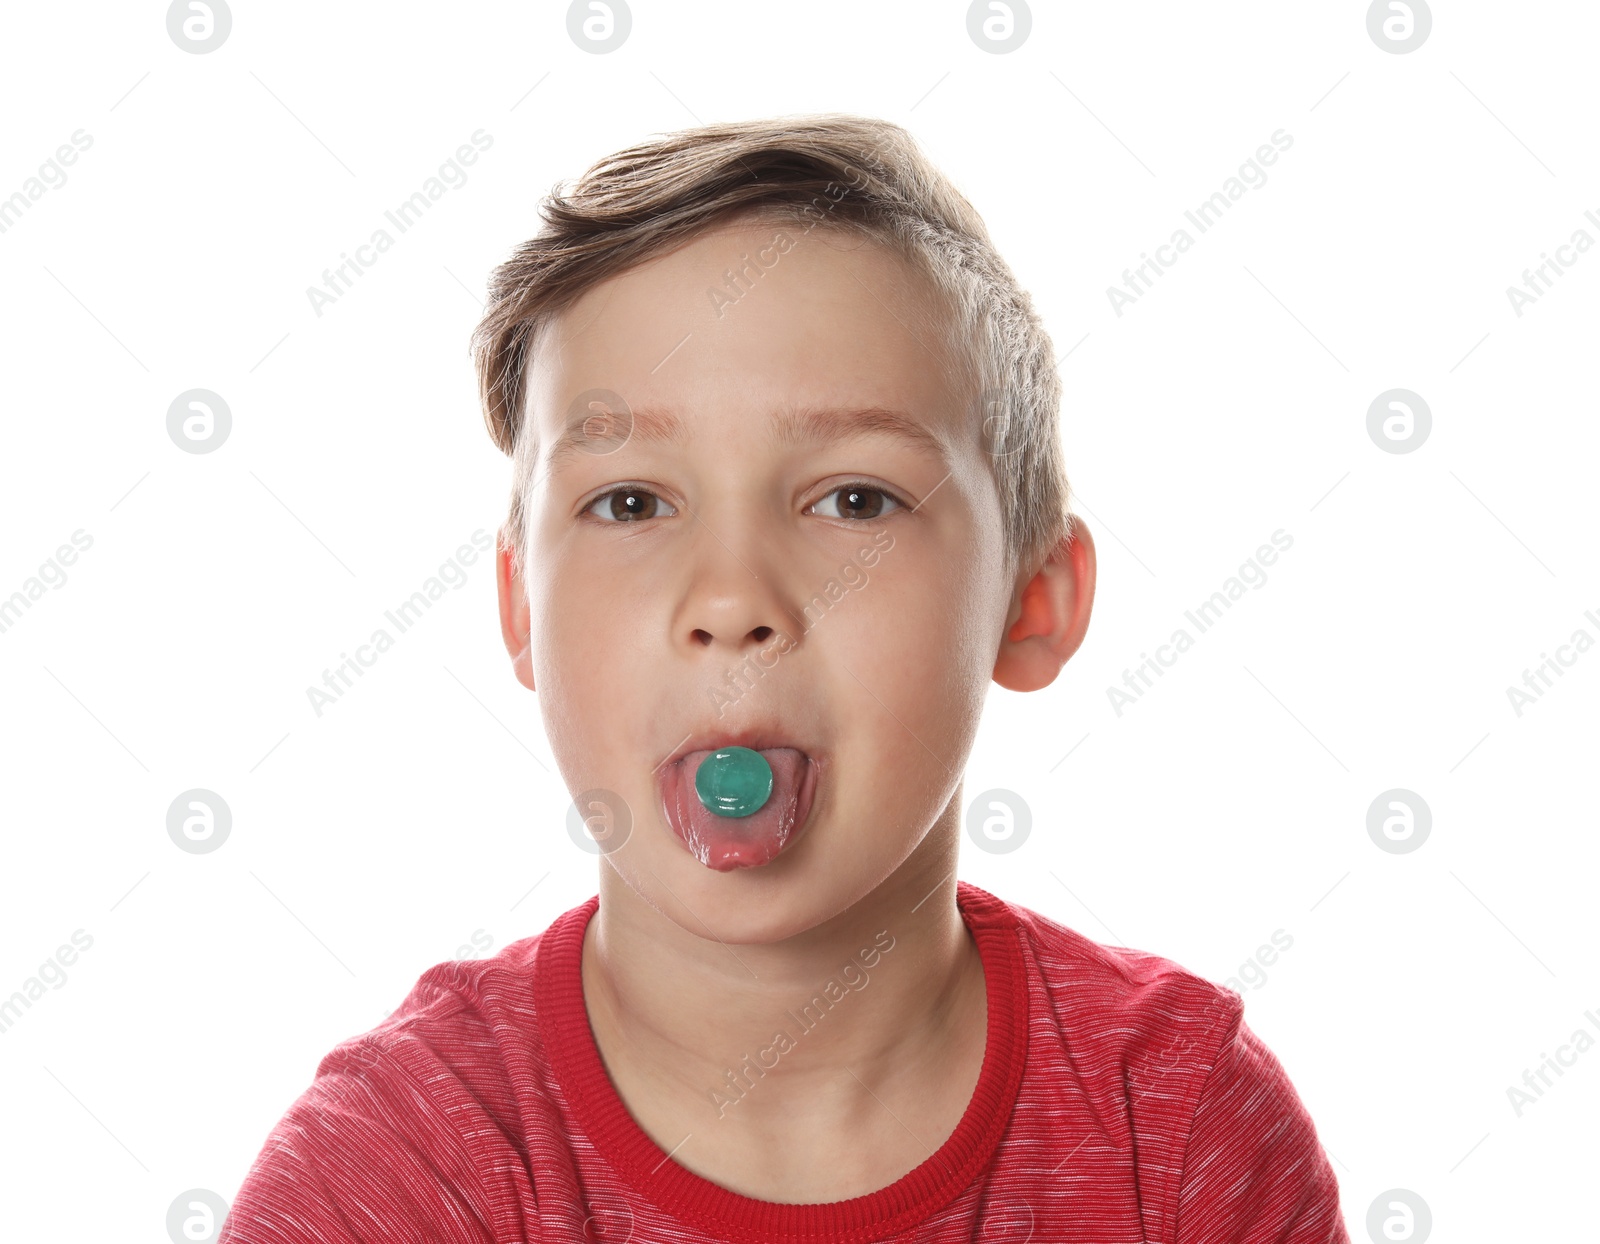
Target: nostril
(762, 633)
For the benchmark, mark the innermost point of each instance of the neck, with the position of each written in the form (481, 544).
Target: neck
(813, 1030)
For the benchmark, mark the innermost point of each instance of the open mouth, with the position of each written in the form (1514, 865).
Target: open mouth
(728, 842)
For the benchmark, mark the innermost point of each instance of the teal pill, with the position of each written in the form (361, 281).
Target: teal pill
(734, 781)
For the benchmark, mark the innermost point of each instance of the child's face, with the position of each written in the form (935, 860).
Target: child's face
(749, 596)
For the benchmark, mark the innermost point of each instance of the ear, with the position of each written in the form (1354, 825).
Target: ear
(513, 609)
(1049, 615)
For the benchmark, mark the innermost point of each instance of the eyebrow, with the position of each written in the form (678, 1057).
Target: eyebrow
(794, 428)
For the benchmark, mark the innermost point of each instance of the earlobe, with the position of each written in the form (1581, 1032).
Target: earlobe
(514, 613)
(1053, 615)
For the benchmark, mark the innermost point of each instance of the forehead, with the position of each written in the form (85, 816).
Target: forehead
(755, 319)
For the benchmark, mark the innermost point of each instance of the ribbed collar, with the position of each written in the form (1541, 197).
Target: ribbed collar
(601, 1115)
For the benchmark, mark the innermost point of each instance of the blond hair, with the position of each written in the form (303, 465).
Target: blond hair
(831, 170)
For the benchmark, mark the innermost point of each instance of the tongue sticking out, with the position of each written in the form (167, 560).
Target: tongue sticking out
(729, 842)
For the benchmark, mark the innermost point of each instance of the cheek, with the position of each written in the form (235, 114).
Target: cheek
(571, 633)
(919, 674)
(600, 675)
(928, 635)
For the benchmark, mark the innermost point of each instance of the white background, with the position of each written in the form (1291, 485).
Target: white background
(1230, 401)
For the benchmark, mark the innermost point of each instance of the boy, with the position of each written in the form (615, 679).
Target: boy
(788, 495)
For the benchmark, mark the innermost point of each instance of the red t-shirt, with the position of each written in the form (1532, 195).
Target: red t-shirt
(1121, 1100)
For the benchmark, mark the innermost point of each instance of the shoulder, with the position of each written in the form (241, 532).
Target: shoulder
(415, 1128)
(1168, 1063)
(1224, 1137)
(462, 996)
(1146, 1013)
(1253, 1156)
(442, 1047)
(466, 1028)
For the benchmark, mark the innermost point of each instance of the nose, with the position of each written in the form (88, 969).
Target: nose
(756, 635)
(731, 615)
(734, 599)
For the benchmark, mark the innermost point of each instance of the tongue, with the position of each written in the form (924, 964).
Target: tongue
(728, 842)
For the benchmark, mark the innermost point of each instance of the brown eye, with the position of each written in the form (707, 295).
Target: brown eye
(628, 505)
(861, 502)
